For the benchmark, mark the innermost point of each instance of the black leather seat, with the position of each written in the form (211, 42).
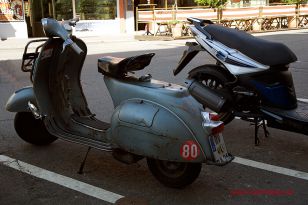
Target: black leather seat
(263, 51)
(118, 67)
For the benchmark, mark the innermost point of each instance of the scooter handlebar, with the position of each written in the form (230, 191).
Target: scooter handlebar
(76, 48)
(73, 45)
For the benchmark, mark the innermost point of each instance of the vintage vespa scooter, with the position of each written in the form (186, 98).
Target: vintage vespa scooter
(152, 119)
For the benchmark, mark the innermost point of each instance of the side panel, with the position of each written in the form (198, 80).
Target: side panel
(18, 102)
(173, 98)
(275, 87)
(154, 132)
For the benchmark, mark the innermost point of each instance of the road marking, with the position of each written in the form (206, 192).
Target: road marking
(60, 179)
(271, 168)
(113, 197)
(302, 99)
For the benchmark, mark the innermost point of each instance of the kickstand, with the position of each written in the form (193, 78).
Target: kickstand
(266, 132)
(83, 162)
(257, 140)
(257, 123)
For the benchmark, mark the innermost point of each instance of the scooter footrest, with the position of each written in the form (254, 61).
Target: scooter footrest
(300, 113)
(90, 122)
(54, 129)
(295, 120)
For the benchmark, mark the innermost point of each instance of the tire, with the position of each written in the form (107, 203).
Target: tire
(215, 78)
(32, 130)
(174, 174)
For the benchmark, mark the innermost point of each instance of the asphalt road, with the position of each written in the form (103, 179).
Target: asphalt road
(215, 185)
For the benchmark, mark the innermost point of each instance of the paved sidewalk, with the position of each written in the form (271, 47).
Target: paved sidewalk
(15, 43)
(13, 48)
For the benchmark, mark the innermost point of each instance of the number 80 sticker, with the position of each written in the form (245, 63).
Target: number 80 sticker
(190, 150)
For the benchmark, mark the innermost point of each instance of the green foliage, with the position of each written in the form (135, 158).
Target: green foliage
(97, 9)
(211, 3)
(173, 22)
(294, 1)
(88, 6)
(64, 9)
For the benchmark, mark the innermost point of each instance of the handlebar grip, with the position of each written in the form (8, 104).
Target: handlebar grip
(76, 19)
(190, 19)
(76, 48)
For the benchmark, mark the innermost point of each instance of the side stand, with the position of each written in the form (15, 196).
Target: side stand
(257, 123)
(84, 162)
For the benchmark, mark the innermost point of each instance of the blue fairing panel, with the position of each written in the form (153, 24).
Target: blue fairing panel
(277, 95)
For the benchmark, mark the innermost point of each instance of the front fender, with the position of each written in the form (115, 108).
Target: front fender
(18, 102)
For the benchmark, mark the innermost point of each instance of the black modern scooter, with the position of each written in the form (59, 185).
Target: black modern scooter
(250, 80)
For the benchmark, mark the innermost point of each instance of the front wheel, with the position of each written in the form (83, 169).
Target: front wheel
(32, 130)
(174, 174)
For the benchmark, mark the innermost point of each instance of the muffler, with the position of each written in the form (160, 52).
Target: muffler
(208, 97)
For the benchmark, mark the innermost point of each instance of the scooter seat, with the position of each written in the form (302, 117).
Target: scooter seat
(118, 67)
(263, 51)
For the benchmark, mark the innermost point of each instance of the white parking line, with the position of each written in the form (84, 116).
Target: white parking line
(113, 197)
(271, 168)
(303, 99)
(60, 179)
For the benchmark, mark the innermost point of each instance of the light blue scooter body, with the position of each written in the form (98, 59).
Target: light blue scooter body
(152, 119)
(18, 102)
(158, 118)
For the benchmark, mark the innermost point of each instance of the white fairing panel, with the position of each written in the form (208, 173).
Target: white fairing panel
(236, 62)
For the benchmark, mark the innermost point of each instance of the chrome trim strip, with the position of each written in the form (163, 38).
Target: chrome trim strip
(79, 123)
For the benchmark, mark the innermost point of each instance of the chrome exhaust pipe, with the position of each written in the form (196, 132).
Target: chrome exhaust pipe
(208, 97)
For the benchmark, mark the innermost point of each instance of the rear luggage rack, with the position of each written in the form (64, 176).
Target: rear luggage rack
(28, 59)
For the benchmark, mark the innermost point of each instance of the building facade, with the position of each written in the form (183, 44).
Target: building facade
(21, 18)
(12, 19)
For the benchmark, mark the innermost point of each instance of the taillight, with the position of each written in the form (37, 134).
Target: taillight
(212, 122)
(218, 129)
(214, 117)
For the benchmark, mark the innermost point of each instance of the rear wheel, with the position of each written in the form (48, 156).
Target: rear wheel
(174, 174)
(32, 130)
(211, 76)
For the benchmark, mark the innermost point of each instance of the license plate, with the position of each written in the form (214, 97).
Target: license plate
(219, 148)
